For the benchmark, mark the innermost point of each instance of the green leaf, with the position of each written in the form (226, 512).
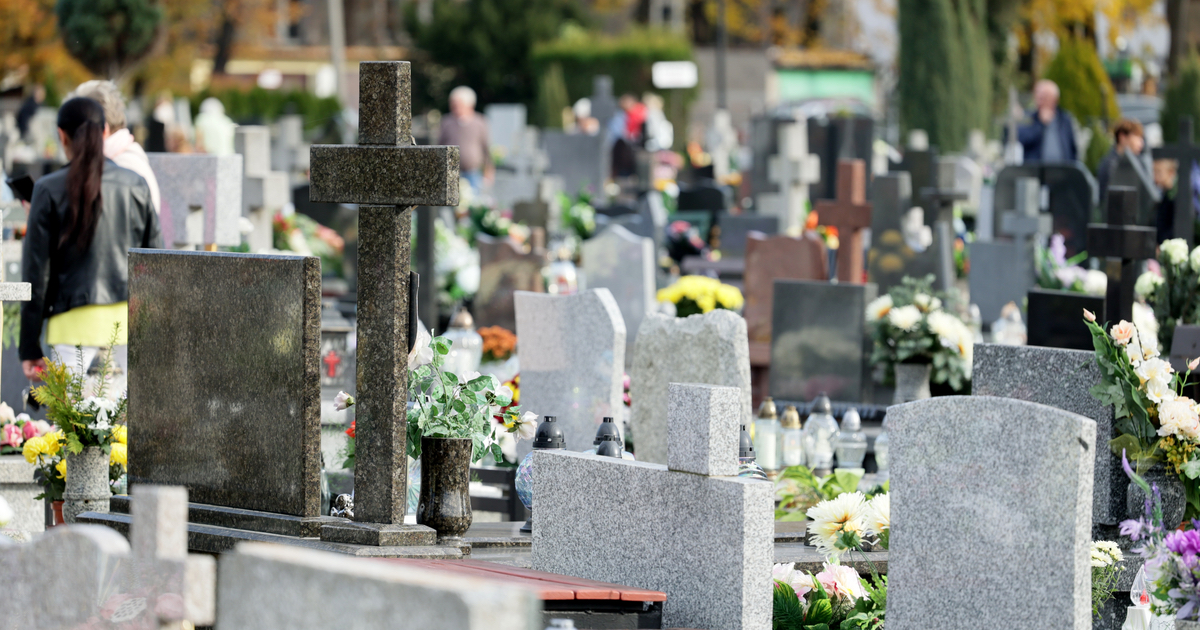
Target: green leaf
(787, 612)
(441, 345)
(819, 612)
(1191, 469)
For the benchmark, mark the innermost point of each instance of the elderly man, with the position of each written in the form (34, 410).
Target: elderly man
(119, 145)
(467, 130)
(1050, 137)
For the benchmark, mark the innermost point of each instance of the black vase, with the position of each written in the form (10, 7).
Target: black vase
(445, 503)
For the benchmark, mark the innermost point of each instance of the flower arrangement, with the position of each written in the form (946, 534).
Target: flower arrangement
(579, 215)
(1173, 290)
(456, 266)
(83, 409)
(683, 239)
(45, 452)
(1105, 558)
(910, 325)
(302, 234)
(797, 489)
(484, 219)
(828, 233)
(1154, 418)
(693, 295)
(16, 429)
(1056, 271)
(498, 343)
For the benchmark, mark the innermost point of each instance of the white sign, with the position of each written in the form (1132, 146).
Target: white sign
(669, 75)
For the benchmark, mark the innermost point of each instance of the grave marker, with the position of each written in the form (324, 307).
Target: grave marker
(1186, 155)
(1003, 271)
(901, 244)
(201, 198)
(504, 269)
(17, 486)
(264, 192)
(1071, 192)
(792, 170)
(617, 260)
(690, 513)
(579, 159)
(1125, 244)
(736, 228)
(387, 175)
(850, 213)
(768, 259)
(506, 123)
(819, 341)
(1132, 171)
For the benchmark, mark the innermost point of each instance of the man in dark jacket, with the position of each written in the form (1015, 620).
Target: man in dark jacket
(1050, 137)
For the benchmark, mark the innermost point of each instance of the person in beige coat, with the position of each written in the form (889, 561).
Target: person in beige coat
(119, 144)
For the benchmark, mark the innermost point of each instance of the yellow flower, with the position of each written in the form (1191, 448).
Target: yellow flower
(118, 454)
(121, 434)
(34, 446)
(54, 442)
(706, 302)
(730, 297)
(61, 467)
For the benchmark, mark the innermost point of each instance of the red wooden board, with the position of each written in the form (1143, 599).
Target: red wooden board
(549, 586)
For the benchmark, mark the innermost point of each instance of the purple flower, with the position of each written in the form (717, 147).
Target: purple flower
(1186, 544)
(1133, 528)
(1125, 465)
(1058, 249)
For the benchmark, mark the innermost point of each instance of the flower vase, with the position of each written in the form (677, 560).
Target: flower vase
(912, 382)
(56, 513)
(1186, 625)
(1174, 499)
(445, 503)
(87, 487)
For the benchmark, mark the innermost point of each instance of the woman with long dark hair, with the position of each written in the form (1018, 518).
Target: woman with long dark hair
(82, 222)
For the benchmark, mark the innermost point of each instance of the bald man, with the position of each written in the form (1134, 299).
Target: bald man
(1050, 137)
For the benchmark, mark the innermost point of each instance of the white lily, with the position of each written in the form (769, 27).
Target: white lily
(343, 401)
(422, 353)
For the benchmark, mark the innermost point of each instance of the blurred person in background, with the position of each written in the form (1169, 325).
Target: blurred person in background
(467, 130)
(1050, 136)
(1128, 138)
(119, 144)
(214, 130)
(29, 108)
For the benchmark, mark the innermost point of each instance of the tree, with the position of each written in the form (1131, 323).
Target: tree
(1182, 97)
(487, 43)
(108, 37)
(30, 45)
(1085, 88)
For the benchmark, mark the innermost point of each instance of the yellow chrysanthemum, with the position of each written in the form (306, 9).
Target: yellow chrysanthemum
(121, 434)
(730, 297)
(61, 467)
(119, 454)
(54, 442)
(34, 446)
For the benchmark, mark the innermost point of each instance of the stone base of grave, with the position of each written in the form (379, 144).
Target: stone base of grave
(378, 534)
(215, 529)
(18, 489)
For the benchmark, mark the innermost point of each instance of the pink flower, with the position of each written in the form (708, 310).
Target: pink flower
(10, 434)
(31, 430)
(1088, 315)
(1122, 332)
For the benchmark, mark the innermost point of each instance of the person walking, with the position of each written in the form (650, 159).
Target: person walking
(1050, 136)
(467, 130)
(119, 144)
(1128, 138)
(82, 222)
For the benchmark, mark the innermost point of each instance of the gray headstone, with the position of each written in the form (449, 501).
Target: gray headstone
(720, 528)
(1024, 502)
(604, 105)
(790, 172)
(224, 345)
(735, 229)
(711, 349)
(572, 360)
(1058, 378)
(961, 173)
(506, 122)
(272, 586)
(1139, 175)
(201, 198)
(819, 341)
(623, 263)
(1073, 195)
(896, 244)
(264, 192)
(581, 160)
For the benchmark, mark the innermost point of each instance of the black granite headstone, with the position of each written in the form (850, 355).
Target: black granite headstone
(1056, 318)
(1124, 244)
(735, 228)
(1186, 155)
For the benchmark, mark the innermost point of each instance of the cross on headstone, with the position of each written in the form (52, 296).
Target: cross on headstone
(793, 169)
(849, 213)
(1124, 244)
(264, 192)
(1027, 221)
(1186, 154)
(387, 175)
(201, 199)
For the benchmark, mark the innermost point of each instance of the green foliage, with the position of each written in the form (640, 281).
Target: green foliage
(552, 96)
(1085, 88)
(799, 489)
(77, 403)
(869, 611)
(258, 106)
(1104, 582)
(1182, 97)
(486, 44)
(1099, 147)
(945, 67)
(579, 215)
(108, 36)
(12, 324)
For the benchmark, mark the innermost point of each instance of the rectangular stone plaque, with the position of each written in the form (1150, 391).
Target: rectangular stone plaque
(224, 387)
(819, 341)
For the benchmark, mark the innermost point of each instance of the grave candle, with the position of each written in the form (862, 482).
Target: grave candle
(791, 444)
(819, 433)
(766, 436)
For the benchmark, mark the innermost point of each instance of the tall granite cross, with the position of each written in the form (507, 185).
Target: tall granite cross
(1185, 153)
(388, 175)
(1124, 243)
(849, 213)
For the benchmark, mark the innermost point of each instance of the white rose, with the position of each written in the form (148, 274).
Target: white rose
(1146, 284)
(1175, 251)
(905, 317)
(1095, 282)
(1194, 260)
(879, 307)
(1178, 417)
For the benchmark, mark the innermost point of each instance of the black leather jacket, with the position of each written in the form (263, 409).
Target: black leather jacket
(64, 277)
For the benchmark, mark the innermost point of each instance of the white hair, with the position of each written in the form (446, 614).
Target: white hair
(109, 96)
(463, 94)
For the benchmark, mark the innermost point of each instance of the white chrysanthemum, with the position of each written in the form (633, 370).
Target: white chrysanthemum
(1095, 282)
(905, 317)
(1178, 417)
(879, 514)
(879, 307)
(1109, 548)
(830, 519)
(926, 302)
(1174, 251)
(1146, 284)
(946, 327)
(1194, 260)
(1156, 376)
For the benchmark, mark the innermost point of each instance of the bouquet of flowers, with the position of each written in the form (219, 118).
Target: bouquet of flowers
(498, 344)
(45, 451)
(83, 409)
(1154, 418)
(1056, 271)
(16, 429)
(910, 325)
(1173, 291)
(1105, 558)
(456, 266)
(579, 215)
(693, 295)
(302, 234)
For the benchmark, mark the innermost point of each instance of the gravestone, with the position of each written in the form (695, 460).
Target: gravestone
(922, 166)
(269, 586)
(961, 173)
(1003, 271)
(1186, 155)
(819, 341)
(504, 269)
(901, 244)
(1125, 245)
(388, 176)
(1138, 174)
(506, 124)
(1072, 195)
(579, 159)
(264, 192)
(709, 348)
(520, 179)
(768, 259)
(17, 486)
(954, 468)
(735, 228)
(617, 260)
(700, 516)
(604, 105)
(791, 171)
(148, 582)
(290, 153)
(836, 137)
(1054, 318)
(572, 360)
(850, 213)
(201, 198)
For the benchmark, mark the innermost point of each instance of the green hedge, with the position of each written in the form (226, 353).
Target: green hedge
(259, 106)
(1182, 98)
(1084, 87)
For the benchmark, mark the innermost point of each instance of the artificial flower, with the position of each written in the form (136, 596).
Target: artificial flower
(1175, 250)
(11, 435)
(119, 454)
(783, 572)
(1088, 315)
(841, 581)
(1178, 417)
(121, 434)
(422, 352)
(343, 401)
(1095, 282)
(1194, 260)
(6, 413)
(833, 518)
(54, 442)
(905, 318)
(528, 426)
(1146, 284)
(1155, 374)
(1122, 332)
(879, 307)
(463, 379)
(61, 467)
(879, 515)
(1194, 363)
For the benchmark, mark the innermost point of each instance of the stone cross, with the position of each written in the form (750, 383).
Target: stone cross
(722, 142)
(1186, 154)
(691, 512)
(264, 192)
(1026, 222)
(201, 199)
(793, 169)
(152, 582)
(850, 213)
(387, 175)
(1124, 244)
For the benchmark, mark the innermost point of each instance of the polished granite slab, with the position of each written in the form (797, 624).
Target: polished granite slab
(224, 378)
